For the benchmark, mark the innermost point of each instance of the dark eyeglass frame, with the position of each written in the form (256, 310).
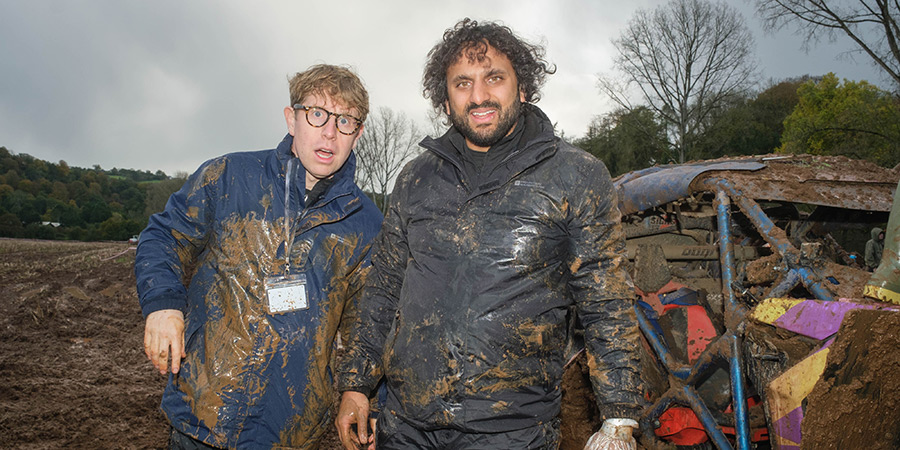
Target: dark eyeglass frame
(337, 117)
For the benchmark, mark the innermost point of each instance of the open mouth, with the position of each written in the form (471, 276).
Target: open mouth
(482, 116)
(325, 154)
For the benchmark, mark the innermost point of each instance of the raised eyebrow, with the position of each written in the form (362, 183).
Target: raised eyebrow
(461, 77)
(495, 72)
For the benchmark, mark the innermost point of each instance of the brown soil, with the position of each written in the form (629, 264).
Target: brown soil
(855, 403)
(72, 369)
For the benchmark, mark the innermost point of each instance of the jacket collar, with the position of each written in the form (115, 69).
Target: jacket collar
(536, 144)
(343, 188)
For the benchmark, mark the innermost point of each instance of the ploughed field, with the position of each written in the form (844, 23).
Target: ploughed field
(72, 368)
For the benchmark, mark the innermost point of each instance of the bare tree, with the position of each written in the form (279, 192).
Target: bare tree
(389, 141)
(870, 24)
(686, 58)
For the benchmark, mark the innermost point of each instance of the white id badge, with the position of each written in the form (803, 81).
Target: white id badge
(286, 293)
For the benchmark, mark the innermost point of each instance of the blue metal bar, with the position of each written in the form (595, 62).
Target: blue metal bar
(662, 351)
(726, 249)
(734, 315)
(738, 397)
(813, 282)
(706, 418)
(775, 236)
(790, 281)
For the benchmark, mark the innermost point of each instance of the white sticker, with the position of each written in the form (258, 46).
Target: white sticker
(286, 294)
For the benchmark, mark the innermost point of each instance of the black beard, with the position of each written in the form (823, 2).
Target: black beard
(506, 122)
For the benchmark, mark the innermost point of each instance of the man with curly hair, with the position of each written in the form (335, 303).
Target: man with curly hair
(492, 236)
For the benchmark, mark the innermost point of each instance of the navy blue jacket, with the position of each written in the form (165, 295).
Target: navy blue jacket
(253, 379)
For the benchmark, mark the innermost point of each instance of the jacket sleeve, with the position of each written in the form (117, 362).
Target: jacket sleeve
(604, 294)
(173, 239)
(361, 367)
(355, 281)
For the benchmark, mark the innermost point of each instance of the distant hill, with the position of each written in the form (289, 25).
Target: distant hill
(44, 200)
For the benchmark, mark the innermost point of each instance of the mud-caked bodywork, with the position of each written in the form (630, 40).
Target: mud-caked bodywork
(740, 264)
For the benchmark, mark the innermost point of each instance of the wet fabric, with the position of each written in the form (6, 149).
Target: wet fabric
(181, 441)
(464, 313)
(253, 379)
(874, 249)
(395, 434)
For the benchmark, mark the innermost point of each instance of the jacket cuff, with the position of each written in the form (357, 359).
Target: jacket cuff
(168, 300)
(621, 411)
(344, 386)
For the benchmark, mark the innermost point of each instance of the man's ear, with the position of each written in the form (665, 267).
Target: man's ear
(447, 107)
(521, 95)
(289, 118)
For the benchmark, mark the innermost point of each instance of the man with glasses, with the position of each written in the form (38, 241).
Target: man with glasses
(491, 235)
(250, 271)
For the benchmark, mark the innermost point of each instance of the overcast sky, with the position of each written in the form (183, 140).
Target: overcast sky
(168, 84)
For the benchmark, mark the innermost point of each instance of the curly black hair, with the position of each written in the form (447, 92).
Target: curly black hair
(527, 59)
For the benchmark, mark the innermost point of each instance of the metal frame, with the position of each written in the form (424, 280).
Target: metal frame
(727, 347)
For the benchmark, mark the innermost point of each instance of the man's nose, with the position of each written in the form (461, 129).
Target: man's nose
(329, 130)
(480, 93)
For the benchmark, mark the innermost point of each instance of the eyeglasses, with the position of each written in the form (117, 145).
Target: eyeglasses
(318, 117)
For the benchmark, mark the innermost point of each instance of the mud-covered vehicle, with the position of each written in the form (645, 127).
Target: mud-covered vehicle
(746, 269)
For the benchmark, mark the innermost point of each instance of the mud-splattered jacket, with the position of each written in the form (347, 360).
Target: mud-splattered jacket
(252, 379)
(464, 313)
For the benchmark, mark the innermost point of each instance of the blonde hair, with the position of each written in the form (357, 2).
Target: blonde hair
(340, 84)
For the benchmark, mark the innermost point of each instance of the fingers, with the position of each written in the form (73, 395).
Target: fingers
(354, 409)
(176, 346)
(372, 434)
(344, 423)
(164, 339)
(362, 428)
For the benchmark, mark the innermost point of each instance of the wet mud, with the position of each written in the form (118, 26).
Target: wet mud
(855, 403)
(72, 369)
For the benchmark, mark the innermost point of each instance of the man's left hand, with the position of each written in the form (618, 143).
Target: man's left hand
(354, 409)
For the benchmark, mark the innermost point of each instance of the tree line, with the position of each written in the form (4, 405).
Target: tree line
(44, 200)
(684, 87)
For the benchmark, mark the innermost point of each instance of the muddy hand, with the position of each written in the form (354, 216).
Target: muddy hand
(164, 339)
(354, 410)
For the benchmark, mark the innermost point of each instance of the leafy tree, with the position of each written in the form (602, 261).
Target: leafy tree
(10, 225)
(82, 200)
(626, 140)
(12, 178)
(855, 119)
(118, 228)
(22, 204)
(59, 191)
(751, 126)
(686, 58)
(870, 24)
(95, 210)
(5, 190)
(158, 193)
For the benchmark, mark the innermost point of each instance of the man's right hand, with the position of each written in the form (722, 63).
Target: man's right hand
(164, 339)
(354, 409)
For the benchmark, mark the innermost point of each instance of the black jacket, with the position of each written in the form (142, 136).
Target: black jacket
(464, 312)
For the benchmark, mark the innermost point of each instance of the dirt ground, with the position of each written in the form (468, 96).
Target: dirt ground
(73, 373)
(854, 404)
(72, 369)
